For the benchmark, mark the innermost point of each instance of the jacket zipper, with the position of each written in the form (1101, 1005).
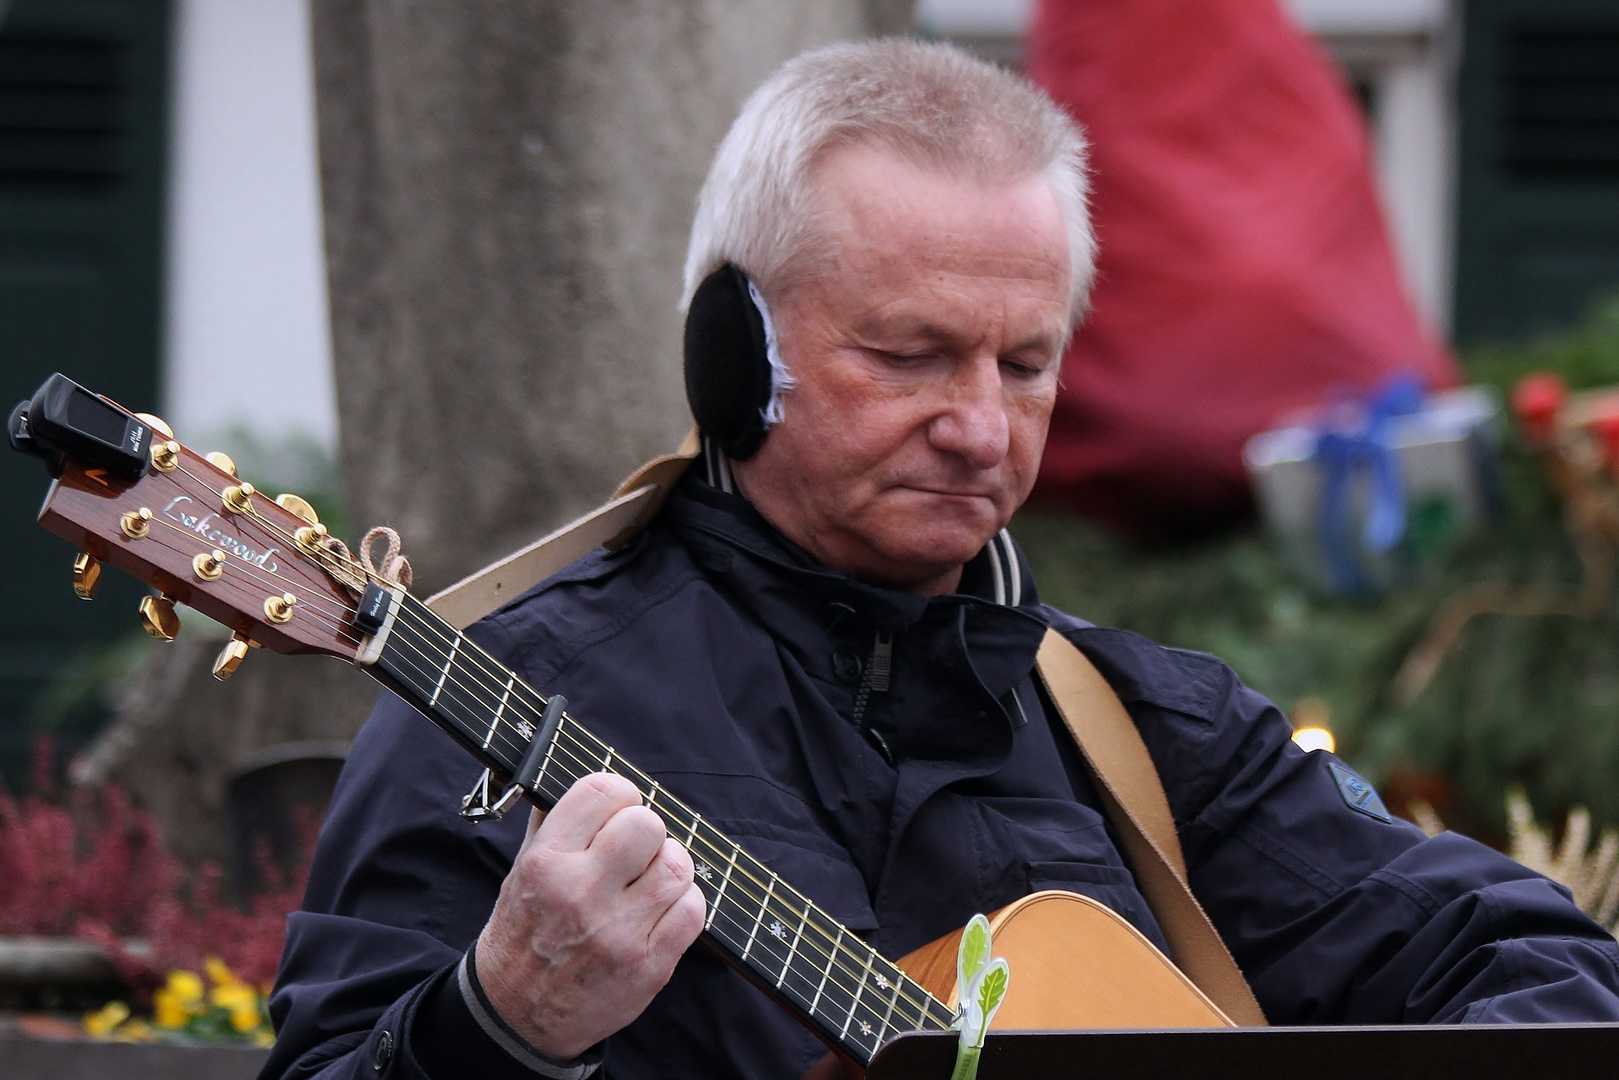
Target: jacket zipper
(879, 670)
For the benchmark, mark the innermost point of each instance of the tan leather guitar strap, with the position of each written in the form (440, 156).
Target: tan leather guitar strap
(611, 524)
(1106, 736)
(1135, 801)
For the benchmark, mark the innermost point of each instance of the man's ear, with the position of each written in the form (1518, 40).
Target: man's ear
(728, 374)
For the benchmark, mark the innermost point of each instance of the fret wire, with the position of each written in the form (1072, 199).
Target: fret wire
(713, 908)
(888, 1014)
(733, 877)
(793, 949)
(501, 708)
(439, 689)
(859, 989)
(831, 959)
(730, 876)
(927, 1000)
(763, 905)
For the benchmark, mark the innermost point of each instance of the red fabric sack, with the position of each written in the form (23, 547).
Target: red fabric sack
(1245, 269)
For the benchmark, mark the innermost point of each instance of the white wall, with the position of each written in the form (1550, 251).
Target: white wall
(247, 334)
(1405, 51)
(1369, 16)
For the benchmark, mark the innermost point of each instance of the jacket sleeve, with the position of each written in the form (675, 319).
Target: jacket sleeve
(399, 890)
(1335, 912)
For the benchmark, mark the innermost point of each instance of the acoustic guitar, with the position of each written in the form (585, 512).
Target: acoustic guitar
(132, 497)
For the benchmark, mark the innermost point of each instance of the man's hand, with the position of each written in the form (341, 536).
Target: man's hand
(596, 911)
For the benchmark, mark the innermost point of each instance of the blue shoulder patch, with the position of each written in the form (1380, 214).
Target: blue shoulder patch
(1357, 793)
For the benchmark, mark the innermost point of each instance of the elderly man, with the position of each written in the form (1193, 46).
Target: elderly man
(825, 645)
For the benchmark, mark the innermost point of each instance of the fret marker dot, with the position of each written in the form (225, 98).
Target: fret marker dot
(865, 1028)
(882, 983)
(525, 729)
(778, 931)
(703, 872)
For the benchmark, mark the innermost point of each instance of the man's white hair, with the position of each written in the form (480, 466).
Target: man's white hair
(930, 102)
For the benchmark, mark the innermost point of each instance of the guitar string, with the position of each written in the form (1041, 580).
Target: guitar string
(585, 762)
(567, 744)
(781, 950)
(287, 537)
(589, 761)
(274, 580)
(256, 516)
(838, 951)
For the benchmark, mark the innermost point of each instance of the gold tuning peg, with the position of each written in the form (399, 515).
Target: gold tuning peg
(158, 617)
(298, 505)
(231, 656)
(221, 461)
(239, 498)
(86, 576)
(158, 424)
(165, 455)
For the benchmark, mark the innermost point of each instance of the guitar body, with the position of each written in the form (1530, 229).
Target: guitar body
(1075, 964)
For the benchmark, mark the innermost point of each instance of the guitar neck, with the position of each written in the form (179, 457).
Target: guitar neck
(816, 967)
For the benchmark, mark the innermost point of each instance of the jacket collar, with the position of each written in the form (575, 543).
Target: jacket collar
(998, 574)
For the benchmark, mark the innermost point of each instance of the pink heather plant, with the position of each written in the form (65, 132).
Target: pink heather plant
(96, 868)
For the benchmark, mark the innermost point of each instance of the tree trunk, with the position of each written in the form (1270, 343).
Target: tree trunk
(508, 188)
(508, 185)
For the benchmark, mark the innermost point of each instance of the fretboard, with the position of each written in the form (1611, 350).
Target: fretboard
(769, 930)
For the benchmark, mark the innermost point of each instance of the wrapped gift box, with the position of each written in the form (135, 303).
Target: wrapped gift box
(1359, 493)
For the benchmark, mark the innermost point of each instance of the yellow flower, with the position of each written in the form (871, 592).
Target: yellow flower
(219, 973)
(245, 1018)
(168, 1012)
(100, 1023)
(186, 987)
(234, 996)
(178, 1001)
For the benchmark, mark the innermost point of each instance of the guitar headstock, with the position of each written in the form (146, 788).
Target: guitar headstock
(189, 527)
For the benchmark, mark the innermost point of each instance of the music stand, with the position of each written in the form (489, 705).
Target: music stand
(1422, 1052)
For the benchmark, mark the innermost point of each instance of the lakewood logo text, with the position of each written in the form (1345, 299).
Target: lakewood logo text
(204, 527)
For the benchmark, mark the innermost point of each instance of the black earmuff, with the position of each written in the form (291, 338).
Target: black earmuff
(728, 381)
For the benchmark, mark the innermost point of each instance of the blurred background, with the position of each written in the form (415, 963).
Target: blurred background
(182, 229)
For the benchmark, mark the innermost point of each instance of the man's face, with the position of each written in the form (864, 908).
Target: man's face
(926, 358)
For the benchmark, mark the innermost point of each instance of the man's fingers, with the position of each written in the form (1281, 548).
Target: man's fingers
(584, 808)
(672, 893)
(628, 844)
(665, 878)
(680, 924)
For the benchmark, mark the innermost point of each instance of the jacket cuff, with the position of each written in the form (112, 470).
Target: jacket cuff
(456, 1033)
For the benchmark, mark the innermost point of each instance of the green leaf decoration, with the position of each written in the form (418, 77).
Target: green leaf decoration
(974, 953)
(992, 988)
(981, 987)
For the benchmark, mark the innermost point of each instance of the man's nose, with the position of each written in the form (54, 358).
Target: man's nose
(972, 424)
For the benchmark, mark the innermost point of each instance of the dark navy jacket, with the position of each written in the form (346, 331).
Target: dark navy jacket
(722, 660)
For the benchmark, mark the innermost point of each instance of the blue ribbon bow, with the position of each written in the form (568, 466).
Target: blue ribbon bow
(1342, 449)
